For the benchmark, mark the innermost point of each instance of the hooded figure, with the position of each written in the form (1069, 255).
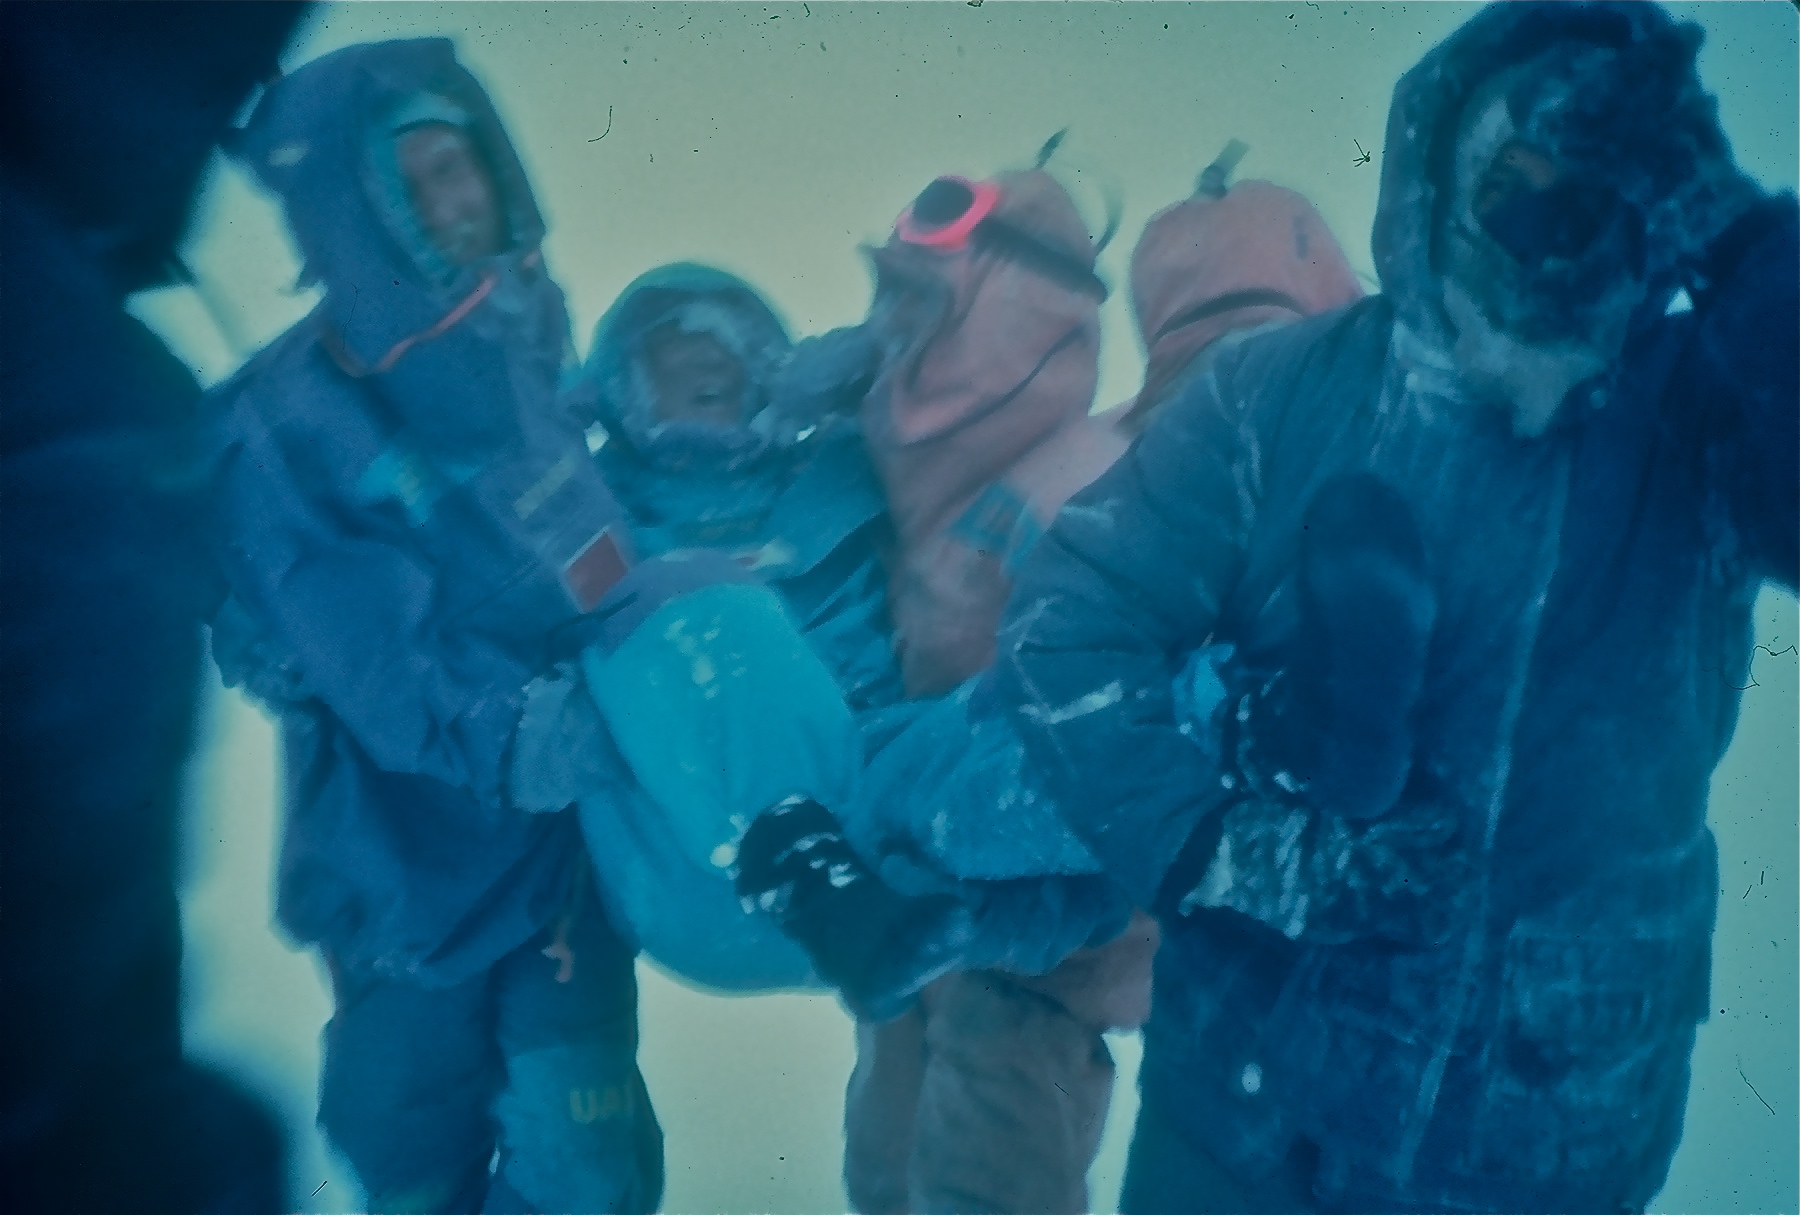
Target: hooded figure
(682, 374)
(800, 508)
(1230, 261)
(989, 344)
(108, 116)
(986, 316)
(1578, 385)
(986, 877)
(406, 528)
(414, 537)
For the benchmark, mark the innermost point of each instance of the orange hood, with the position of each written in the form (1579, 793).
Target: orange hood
(1207, 266)
(1008, 355)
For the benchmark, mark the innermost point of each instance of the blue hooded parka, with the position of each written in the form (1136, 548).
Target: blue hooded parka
(408, 526)
(803, 511)
(1524, 1046)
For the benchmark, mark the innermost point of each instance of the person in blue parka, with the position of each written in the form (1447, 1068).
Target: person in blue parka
(418, 546)
(1466, 977)
(719, 435)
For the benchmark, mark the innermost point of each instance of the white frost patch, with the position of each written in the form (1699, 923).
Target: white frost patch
(1215, 884)
(804, 844)
(723, 856)
(700, 666)
(1081, 706)
(775, 552)
(1286, 911)
(1099, 514)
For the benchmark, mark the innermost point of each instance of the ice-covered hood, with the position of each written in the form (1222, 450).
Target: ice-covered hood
(1255, 255)
(1612, 96)
(994, 353)
(615, 387)
(455, 352)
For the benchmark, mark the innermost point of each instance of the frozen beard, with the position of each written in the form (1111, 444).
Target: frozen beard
(1513, 347)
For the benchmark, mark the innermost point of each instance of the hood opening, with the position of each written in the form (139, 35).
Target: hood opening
(1608, 89)
(322, 140)
(453, 357)
(1233, 258)
(394, 199)
(697, 300)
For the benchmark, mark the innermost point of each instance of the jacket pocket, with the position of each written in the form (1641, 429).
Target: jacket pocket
(1585, 1080)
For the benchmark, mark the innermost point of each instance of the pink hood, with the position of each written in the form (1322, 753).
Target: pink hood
(1003, 367)
(1207, 266)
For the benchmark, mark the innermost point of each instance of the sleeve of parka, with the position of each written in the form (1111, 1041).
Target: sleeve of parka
(355, 612)
(1745, 364)
(1128, 580)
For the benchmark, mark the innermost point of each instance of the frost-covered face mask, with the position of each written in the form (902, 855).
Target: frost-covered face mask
(1513, 212)
(696, 379)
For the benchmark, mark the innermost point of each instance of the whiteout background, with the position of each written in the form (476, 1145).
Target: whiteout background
(770, 140)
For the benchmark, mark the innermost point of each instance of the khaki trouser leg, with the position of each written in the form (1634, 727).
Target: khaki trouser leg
(1013, 1102)
(880, 1106)
(990, 1095)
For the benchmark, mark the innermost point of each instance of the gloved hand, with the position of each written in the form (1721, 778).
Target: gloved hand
(1336, 725)
(876, 946)
(824, 378)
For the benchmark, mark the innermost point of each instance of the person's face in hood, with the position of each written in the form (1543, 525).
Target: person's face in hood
(1511, 207)
(696, 379)
(452, 192)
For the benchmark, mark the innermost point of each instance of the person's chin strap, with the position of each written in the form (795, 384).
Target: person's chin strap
(355, 368)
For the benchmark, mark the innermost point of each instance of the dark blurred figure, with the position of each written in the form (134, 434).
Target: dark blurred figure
(110, 113)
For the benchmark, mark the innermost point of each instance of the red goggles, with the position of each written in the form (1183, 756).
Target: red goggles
(945, 213)
(952, 212)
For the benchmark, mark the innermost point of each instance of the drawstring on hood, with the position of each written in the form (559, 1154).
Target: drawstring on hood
(454, 353)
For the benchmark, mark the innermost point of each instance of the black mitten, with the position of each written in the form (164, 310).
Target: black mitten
(875, 945)
(1366, 601)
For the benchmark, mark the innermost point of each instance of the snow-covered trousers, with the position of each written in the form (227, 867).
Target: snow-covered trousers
(537, 1057)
